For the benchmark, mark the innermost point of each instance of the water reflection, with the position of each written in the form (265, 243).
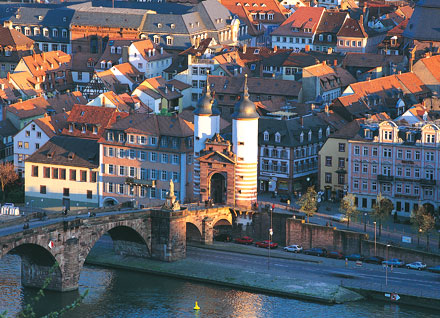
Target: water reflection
(117, 293)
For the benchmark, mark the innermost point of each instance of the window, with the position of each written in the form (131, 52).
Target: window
(407, 189)
(365, 168)
(356, 167)
(357, 150)
(399, 171)
(132, 172)
(175, 159)
(20, 144)
(153, 174)
(386, 170)
(416, 190)
(163, 194)
(83, 175)
(387, 135)
(66, 192)
(111, 151)
(374, 186)
(121, 153)
(399, 154)
(399, 188)
(341, 163)
(152, 193)
(374, 151)
(163, 175)
(328, 177)
(429, 156)
(164, 158)
(62, 174)
(37, 146)
(365, 151)
(132, 154)
(64, 33)
(387, 152)
(45, 47)
(131, 139)
(111, 169)
(93, 176)
(121, 188)
(34, 171)
(417, 155)
(429, 174)
(153, 156)
(408, 172)
(153, 141)
(417, 173)
(175, 177)
(277, 137)
(430, 138)
(386, 187)
(328, 161)
(341, 147)
(364, 185)
(89, 194)
(72, 174)
(143, 140)
(266, 136)
(42, 189)
(356, 184)
(46, 172)
(121, 170)
(408, 155)
(341, 178)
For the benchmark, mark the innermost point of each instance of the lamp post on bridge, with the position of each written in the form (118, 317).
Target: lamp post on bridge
(374, 238)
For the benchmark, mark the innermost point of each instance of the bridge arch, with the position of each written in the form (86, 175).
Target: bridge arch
(37, 265)
(110, 201)
(193, 232)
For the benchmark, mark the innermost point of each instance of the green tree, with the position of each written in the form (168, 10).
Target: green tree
(308, 202)
(7, 176)
(348, 207)
(382, 210)
(423, 222)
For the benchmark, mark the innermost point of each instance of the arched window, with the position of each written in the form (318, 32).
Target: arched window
(277, 137)
(266, 136)
(118, 50)
(156, 39)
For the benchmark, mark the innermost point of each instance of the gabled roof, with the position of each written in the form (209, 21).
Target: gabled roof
(352, 28)
(216, 156)
(52, 125)
(13, 38)
(370, 60)
(102, 117)
(331, 22)
(302, 18)
(432, 64)
(29, 108)
(144, 46)
(157, 87)
(156, 125)
(7, 128)
(61, 103)
(68, 151)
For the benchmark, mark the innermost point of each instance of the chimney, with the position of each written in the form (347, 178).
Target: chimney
(244, 49)
(307, 49)
(149, 53)
(335, 62)
(275, 48)
(324, 62)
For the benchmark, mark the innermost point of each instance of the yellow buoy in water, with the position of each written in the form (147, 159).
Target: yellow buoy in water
(196, 307)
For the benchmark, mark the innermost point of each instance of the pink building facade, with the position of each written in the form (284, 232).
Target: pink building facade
(401, 162)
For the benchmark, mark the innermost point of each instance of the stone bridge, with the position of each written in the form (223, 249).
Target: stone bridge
(152, 234)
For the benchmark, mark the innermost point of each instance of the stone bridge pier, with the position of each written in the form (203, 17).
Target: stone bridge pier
(56, 253)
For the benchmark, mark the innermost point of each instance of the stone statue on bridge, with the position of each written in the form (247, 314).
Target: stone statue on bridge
(171, 204)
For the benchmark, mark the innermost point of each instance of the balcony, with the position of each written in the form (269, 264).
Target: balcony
(428, 182)
(384, 178)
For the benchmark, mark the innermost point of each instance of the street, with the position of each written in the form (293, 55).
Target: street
(400, 280)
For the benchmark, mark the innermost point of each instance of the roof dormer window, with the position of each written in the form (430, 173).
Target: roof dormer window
(102, 64)
(327, 132)
(118, 50)
(320, 133)
(310, 135)
(277, 137)
(266, 136)
(159, 25)
(112, 50)
(40, 17)
(301, 137)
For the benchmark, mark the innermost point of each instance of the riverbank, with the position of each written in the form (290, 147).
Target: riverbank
(233, 276)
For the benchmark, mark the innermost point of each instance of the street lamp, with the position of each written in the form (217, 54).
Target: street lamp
(374, 238)
(365, 222)
(270, 237)
(386, 268)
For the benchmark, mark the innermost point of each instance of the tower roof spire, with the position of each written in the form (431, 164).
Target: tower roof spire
(207, 105)
(245, 108)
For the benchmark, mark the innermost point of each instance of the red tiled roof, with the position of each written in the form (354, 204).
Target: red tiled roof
(29, 108)
(302, 18)
(352, 28)
(433, 65)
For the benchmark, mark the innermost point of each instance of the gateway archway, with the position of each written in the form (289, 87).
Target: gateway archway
(218, 188)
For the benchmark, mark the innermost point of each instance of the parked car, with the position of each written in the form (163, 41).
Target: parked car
(293, 248)
(316, 251)
(339, 217)
(355, 257)
(244, 240)
(395, 262)
(266, 244)
(334, 254)
(223, 237)
(435, 269)
(416, 265)
(374, 260)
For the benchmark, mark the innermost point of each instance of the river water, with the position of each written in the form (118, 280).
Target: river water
(119, 293)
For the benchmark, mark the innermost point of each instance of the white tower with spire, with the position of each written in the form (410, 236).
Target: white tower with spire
(206, 125)
(245, 147)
